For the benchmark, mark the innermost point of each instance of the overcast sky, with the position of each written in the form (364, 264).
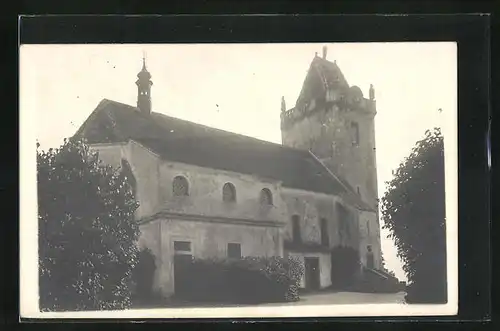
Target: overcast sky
(238, 87)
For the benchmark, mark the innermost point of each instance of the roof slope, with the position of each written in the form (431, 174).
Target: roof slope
(187, 142)
(322, 75)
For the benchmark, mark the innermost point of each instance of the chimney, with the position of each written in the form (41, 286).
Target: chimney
(325, 50)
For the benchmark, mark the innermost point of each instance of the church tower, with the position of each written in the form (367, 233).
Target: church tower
(144, 84)
(337, 124)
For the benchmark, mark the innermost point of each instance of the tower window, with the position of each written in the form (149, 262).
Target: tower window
(180, 186)
(228, 193)
(355, 133)
(296, 236)
(266, 197)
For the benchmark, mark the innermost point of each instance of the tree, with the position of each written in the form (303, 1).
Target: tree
(87, 232)
(413, 210)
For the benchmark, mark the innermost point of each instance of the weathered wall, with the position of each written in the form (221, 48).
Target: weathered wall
(205, 193)
(207, 240)
(154, 179)
(370, 235)
(311, 207)
(326, 131)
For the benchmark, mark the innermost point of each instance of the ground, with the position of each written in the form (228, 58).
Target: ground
(347, 298)
(322, 298)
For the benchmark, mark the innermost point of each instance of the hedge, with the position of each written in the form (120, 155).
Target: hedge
(246, 280)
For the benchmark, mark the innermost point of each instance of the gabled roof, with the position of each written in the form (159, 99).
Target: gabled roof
(187, 142)
(322, 75)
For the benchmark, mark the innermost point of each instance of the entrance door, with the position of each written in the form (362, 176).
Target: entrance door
(311, 265)
(181, 274)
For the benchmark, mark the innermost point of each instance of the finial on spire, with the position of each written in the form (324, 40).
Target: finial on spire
(143, 60)
(283, 104)
(325, 50)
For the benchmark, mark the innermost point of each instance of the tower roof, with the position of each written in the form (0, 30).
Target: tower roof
(144, 73)
(321, 76)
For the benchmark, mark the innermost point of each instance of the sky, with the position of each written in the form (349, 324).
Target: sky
(238, 88)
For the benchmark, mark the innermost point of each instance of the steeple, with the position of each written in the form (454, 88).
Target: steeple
(144, 89)
(283, 104)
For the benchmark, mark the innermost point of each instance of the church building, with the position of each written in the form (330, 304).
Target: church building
(205, 192)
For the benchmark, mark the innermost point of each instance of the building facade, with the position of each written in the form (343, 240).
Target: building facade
(208, 193)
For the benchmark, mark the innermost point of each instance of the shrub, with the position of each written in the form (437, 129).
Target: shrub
(246, 280)
(143, 276)
(87, 233)
(345, 267)
(414, 211)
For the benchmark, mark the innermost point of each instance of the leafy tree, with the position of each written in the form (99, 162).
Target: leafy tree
(413, 209)
(87, 232)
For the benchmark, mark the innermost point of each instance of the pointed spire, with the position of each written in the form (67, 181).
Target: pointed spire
(283, 104)
(144, 73)
(325, 51)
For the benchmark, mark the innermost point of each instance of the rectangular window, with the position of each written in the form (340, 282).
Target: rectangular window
(234, 251)
(324, 232)
(344, 218)
(296, 229)
(355, 133)
(182, 246)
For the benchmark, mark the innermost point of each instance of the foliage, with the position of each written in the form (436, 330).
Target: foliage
(413, 210)
(345, 266)
(143, 275)
(250, 279)
(87, 233)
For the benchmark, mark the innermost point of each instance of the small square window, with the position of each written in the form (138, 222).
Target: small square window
(182, 246)
(234, 251)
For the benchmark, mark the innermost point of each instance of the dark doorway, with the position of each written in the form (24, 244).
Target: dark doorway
(182, 263)
(312, 273)
(181, 274)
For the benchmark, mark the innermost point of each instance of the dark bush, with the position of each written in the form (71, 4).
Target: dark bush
(246, 280)
(87, 233)
(143, 276)
(414, 211)
(345, 267)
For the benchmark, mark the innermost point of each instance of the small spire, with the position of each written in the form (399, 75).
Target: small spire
(144, 60)
(325, 51)
(372, 92)
(283, 104)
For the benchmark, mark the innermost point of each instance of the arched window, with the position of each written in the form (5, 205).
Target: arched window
(180, 186)
(126, 171)
(266, 197)
(228, 193)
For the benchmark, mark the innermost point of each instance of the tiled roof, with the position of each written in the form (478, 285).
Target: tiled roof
(187, 142)
(322, 74)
